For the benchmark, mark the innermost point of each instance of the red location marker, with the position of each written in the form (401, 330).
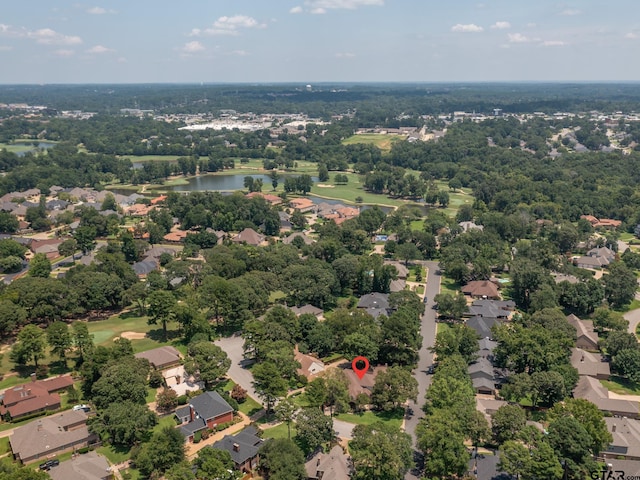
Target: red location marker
(360, 371)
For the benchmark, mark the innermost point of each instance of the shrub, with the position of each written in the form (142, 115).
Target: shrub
(182, 400)
(42, 371)
(156, 379)
(197, 437)
(239, 394)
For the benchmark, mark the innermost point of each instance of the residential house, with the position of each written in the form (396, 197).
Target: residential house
(335, 465)
(482, 376)
(630, 468)
(272, 199)
(205, 411)
(596, 258)
(285, 222)
(483, 325)
(492, 308)
(488, 406)
(362, 385)
(88, 466)
(145, 267)
(586, 337)
(243, 448)
(591, 389)
(310, 366)
(481, 289)
(310, 309)
(302, 204)
(606, 223)
(626, 439)
(157, 200)
(48, 246)
(250, 237)
(176, 236)
(33, 397)
(52, 435)
(180, 381)
(375, 304)
(161, 358)
(590, 364)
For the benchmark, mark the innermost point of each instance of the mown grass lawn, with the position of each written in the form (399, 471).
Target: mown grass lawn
(447, 285)
(249, 406)
(382, 141)
(114, 454)
(280, 431)
(621, 386)
(367, 418)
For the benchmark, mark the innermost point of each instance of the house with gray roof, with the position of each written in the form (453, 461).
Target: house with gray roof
(596, 258)
(288, 240)
(626, 439)
(335, 465)
(375, 304)
(586, 337)
(491, 308)
(483, 325)
(482, 376)
(485, 467)
(308, 308)
(162, 357)
(243, 448)
(145, 267)
(88, 466)
(205, 411)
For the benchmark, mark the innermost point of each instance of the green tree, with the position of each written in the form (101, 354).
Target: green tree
(285, 412)
(183, 471)
(459, 339)
(40, 266)
(408, 251)
(85, 237)
(627, 363)
(515, 459)
(208, 361)
(547, 388)
(618, 341)
(315, 429)
(393, 387)
(59, 338)
(30, 345)
(281, 459)
(82, 340)
(450, 306)
(380, 451)
(11, 316)
(161, 308)
(507, 422)
(68, 247)
(161, 452)
(212, 463)
(124, 379)
(589, 416)
(8, 223)
(356, 344)
(572, 442)
(268, 383)
(620, 285)
(124, 423)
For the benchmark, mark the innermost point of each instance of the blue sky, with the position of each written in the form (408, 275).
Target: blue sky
(117, 41)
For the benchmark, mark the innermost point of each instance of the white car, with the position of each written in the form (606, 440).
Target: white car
(84, 408)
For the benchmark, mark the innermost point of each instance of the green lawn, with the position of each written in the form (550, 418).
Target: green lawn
(621, 386)
(167, 421)
(152, 158)
(280, 431)
(382, 141)
(249, 406)
(115, 455)
(634, 305)
(300, 400)
(441, 327)
(448, 285)
(367, 418)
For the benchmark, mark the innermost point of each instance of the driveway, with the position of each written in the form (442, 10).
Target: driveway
(343, 429)
(243, 377)
(428, 332)
(633, 317)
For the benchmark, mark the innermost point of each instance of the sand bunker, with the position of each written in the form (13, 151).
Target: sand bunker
(324, 185)
(133, 335)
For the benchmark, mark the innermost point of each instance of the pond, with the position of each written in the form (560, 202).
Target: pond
(224, 182)
(40, 145)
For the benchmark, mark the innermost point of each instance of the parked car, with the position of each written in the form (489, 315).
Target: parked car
(49, 463)
(83, 408)
(425, 299)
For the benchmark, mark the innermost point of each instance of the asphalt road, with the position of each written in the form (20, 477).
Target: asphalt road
(237, 372)
(428, 332)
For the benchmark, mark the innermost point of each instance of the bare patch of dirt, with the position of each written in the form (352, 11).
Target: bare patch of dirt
(133, 335)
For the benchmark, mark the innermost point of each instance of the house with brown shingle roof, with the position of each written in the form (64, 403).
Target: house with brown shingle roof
(249, 236)
(34, 397)
(590, 388)
(591, 364)
(88, 466)
(50, 436)
(302, 204)
(310, 366)
(586, 337)
(272, 199)
(481, 289)
(364, 385)
(161, 358)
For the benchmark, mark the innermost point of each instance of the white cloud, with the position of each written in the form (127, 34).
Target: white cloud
(47, 36)
(632, 36)
(297, 9)
(518, 38)
(345, 55)
(64, 53)
(99, 49)
(228, 26)
(468, 28)
(501, 25)
(553, 43)
(569, 12)
(97, 11)
(192, 47)
(324, 5)
(318, 11)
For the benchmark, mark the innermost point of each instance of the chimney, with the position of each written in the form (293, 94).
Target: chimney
(613, 429)
(192, 413)
(236, 447)
(582, 358)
